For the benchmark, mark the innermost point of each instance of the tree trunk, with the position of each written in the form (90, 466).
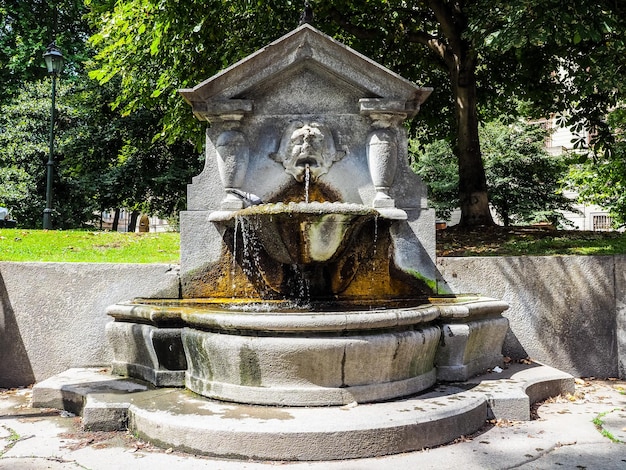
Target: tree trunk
(457, 53)
(472, 181)
(116, 220)
(506, 220)
(132, 224)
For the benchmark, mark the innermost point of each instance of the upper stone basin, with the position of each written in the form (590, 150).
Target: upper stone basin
(303, 233)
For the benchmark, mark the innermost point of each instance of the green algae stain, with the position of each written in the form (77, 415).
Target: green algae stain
(249, 367)
(431, 283)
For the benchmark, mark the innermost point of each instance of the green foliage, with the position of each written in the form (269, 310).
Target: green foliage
(551, 55)
(598, 421)
(15, 186)
(575, 50)
(437, 166)
(24, 132)
(27, 27)
(524, 181)
(102, 160)
(155, 48)
(601, 179)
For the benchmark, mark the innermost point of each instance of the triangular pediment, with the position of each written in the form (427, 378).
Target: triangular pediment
(305, 88)
(305, 58)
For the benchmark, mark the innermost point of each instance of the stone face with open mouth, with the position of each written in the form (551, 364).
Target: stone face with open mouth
(307, 145)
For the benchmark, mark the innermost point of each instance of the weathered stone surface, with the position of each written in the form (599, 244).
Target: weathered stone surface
(147, 352)
(563, 308)
(620, 312)
(306, 104)
(54, 314)
(311, 370)
(469, 348)
(34, 310)
(174, 419)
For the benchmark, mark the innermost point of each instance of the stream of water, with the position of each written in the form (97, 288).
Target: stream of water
(307, 182)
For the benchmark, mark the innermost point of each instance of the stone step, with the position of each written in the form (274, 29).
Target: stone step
(179, 419)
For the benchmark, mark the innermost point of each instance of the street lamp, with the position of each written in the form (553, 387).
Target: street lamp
(54, 63)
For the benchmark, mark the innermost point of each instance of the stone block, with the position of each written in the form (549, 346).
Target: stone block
(316, 370)
(472, 333)
(54, 314)
(468, 349)
(148, 353)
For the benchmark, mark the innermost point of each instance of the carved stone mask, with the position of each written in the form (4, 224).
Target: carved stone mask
(303, 145)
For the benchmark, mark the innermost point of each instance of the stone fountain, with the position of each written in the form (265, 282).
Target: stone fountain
(308, 282)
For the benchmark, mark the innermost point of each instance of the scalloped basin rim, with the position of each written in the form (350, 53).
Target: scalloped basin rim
(282, 316)
(315, 207)
(307, 208)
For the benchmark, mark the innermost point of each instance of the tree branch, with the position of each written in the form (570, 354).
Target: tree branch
(459, 53)
(430, 41)
(449, 25)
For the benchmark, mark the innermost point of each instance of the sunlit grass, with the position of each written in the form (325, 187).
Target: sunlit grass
(113, 247)
(525, 241)
(88, 246)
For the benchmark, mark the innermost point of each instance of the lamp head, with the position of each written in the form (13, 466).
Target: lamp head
(54, 59)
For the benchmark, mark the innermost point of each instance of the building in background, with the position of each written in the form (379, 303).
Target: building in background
(589, 216)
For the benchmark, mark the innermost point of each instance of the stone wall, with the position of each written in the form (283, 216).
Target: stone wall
(568, 312)
(52, 315)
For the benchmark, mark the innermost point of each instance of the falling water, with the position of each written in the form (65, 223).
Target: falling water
(307, 182)
(246, 265)
(240, 228)
(234, 263)
(375, 236)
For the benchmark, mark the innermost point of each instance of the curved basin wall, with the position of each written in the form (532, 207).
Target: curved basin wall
(311, 369)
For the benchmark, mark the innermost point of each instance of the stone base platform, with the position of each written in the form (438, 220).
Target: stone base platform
(179, 419)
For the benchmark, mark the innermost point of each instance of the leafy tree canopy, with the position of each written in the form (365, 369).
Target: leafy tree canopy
(478, 55)
(27, 27)
(583, 43)
(102, 160)
(525, 182)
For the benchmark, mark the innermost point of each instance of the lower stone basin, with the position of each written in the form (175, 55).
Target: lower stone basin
(278, 353)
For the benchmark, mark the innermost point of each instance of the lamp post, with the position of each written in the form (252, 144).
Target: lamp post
(54, 63)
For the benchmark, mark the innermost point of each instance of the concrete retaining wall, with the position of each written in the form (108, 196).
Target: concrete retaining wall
(52, 315)
(568, 312)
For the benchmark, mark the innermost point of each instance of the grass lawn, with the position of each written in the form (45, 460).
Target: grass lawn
(530, 241)
(88, 246)
(112, 247)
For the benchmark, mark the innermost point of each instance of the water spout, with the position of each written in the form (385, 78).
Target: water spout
(307, 182)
